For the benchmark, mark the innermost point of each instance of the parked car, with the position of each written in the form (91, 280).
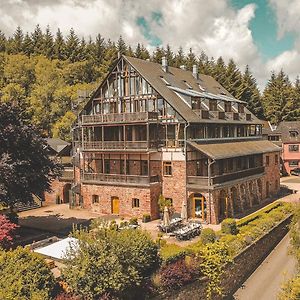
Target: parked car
(296, 172)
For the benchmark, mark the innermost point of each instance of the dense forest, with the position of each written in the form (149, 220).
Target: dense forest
(43, 72)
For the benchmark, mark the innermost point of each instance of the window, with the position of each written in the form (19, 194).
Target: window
(267, 161)
(241, 108)
(227, 106)
(144, 167)
(213, 105)
(106, 166)
(293, 133)
(293, 148)
(167, 166)
(135, 202)
(276, 159)
(293, 163)
(95, 199)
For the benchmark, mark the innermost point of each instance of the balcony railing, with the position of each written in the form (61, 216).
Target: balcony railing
(202, 181)
(119, 118)
(221, 115)
(118, 178)
(119, 145)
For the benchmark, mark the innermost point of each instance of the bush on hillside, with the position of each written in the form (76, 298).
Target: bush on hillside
(207, 235)
(228, 226)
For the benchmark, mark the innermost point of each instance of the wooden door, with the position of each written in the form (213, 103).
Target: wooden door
(115, 207)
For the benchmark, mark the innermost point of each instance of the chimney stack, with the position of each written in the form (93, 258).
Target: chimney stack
(195, 71)
(164, 64)
(183, 67)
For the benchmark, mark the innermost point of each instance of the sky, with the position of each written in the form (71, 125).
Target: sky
(261, 33)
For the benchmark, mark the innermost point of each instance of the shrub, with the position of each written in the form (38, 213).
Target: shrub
(171, 252)
(228, 226)
(146, 218)
(291, 289)
(110, 261)
(25, 275)
(7, 229)
(133, 221)
(176, 274)
(208, 235)
(235, 243)
(64, 296)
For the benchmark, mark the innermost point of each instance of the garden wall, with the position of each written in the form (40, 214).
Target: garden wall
(242, 267)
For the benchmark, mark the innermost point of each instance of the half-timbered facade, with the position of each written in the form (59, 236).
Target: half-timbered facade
(151, 129)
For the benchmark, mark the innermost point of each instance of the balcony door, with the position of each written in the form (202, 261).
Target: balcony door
(115, 205)
(199, 209)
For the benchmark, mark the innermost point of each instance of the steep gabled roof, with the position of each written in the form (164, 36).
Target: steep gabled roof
(181, 80)
(57, 145)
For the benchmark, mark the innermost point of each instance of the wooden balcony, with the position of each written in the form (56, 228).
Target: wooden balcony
(119, 118)
(118, 178)
(119, 145)
(202, 181)
(221, 115)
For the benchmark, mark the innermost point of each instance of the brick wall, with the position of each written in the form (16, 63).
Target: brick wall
(147, 199)
(57, 188)
(272, 174)
(174, 186)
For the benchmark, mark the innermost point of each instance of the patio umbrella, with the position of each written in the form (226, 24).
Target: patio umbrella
(166, 217)
(183, 211)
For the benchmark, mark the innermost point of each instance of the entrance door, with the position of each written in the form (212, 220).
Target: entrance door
(199, 207)
(115, 205)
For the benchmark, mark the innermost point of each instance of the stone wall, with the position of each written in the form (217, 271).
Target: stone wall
(57, 190)
(147, 199)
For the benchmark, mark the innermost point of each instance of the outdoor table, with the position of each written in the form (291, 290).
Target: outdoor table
(174, 223)
(188, 232)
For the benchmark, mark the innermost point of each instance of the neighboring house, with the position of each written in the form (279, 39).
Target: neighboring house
(61, 152)
(289, 132)
(151, 129)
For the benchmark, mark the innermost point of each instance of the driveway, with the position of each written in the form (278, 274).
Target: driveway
(266, 281)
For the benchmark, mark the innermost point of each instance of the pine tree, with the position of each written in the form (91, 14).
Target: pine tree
(98, 52)
(138, 51)
(158, 54)
(144, 53)
(129, 52)
(121, 46)
(48, 44)
(59, 46)
(278, 98)
(169, 55)
(191, 60)
(233, 78)
(203, 63)
(218, 71)
(72, 46)
(179, 59)
(2, 42)
(37, 38)
(248, 91)
(18, 41)
(27, 45)
(294, 110)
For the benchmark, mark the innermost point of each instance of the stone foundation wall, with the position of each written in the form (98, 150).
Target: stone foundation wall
(147, 199)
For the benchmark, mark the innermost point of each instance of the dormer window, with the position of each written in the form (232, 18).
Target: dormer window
(227, 106)
(241, 108)
(213, 105)
(165, 80)
(293, 133)
(187, 84)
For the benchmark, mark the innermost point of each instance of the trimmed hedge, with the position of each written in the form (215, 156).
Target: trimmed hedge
(208, 235)
(244, 221)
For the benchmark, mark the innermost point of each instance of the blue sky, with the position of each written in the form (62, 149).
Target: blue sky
(264, 27)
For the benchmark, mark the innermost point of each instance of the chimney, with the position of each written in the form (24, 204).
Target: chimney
(195, 71)
(183, 67)
(164, 64)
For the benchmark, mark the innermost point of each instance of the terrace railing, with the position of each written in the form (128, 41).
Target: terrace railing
(119, 118)
(119, 145)
(119, 178)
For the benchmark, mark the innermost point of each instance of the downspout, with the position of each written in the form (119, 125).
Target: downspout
(210, 163)
(185, 154)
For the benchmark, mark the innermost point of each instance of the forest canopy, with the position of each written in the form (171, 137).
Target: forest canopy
(43, 72)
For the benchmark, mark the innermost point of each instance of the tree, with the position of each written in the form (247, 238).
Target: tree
(109, 261)
(62, 128)
(248, 91)
(48, 45)
(25, 275)
(18, 41)
(37, 38)
(2, 42)
(233, 78)
(121, 46)
(278, 98)
(191, 60)
(27, 45)
(7, 229)
(59, 46)
(179, 59)
(25, 168)
(72, 46)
